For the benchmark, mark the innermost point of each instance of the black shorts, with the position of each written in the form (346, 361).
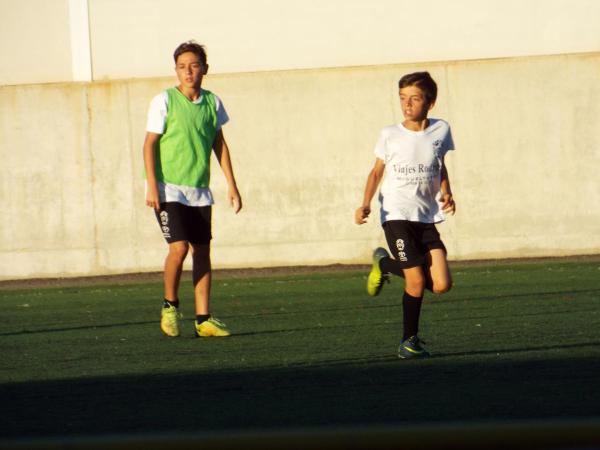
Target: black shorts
(180, 222)
(409, 242)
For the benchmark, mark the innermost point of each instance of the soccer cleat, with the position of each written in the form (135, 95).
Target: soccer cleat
(212, 327)
(169, 321)
(412, 348)
(376, 277)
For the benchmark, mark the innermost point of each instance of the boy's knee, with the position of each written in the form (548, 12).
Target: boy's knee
(442, 288)
(178, 251)
(415, 286)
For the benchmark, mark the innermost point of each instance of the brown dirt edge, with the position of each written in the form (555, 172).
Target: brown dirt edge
(220, 274)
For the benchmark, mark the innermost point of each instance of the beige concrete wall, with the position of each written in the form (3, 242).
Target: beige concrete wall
(129, 38)
(35, 43)
(523, 173)
(41, 41)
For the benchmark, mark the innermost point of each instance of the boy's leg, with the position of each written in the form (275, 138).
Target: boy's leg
(412, 301)
(377, 275)
(202, 277)
(435, 265)
(404, 240)
(390, 265)
(383, 263)
(173, 268)
(414, 281)
(169, 317)
(170, 219)
(439, 277)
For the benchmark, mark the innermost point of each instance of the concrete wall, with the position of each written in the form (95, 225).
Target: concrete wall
(258, 35)
(35, 42)
(41, 40)
(524, 172)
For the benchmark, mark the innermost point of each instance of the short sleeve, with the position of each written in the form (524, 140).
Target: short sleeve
(222, 116)
(448, 141)
(380, 146)
(157, 114)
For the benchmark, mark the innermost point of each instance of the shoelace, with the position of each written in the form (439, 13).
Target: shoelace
(217, 322)
(174, 314)
(417, 340)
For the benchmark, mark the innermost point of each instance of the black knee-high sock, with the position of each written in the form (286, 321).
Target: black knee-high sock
(389, 265)
(411, 308)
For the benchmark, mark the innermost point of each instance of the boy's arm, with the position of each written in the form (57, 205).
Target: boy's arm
(152, 197)
(373, 180)
(222, 153)
(448, 205)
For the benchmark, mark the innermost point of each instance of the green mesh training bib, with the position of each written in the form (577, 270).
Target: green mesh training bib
(183, 153)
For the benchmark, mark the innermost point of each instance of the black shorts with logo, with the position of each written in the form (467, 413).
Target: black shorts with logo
(409, 242)
(179, 222)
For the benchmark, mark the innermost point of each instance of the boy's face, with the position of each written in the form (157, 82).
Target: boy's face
(415, 106)
(189, 70)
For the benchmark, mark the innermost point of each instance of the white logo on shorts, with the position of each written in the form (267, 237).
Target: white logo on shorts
(164, 221)
(400, 245)
(401, 253)
(164, 217)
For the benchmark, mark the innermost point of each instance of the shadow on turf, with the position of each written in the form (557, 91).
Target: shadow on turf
(430, 298)
(374, 304)
(155, 322)
(76, 328)
(462, 318)
(339, 393)
(513, 295)
(520, 350)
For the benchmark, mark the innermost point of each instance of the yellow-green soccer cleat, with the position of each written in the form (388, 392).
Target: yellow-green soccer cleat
(169, 321)
(212, 327)
(376, 277)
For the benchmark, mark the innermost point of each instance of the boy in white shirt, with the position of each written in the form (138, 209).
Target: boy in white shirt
(184, 128)
(415, 195)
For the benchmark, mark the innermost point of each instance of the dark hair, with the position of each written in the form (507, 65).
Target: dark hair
(423, 81)
(191, 46)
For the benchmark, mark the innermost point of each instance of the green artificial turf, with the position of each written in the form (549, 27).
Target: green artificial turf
(510, 341)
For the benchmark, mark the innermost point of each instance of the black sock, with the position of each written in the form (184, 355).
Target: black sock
(389, 265)
(169, 303)
(411, 308)
(202, 318)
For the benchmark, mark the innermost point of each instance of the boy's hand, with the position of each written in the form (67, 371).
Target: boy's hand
(448, 205)
(152, 198)
(235, 200)
(361, 214)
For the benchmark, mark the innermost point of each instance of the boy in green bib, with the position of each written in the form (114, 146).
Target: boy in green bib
(183, 129)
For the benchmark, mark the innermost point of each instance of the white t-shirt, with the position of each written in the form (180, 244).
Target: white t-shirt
(413, 162)
(168, 192)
